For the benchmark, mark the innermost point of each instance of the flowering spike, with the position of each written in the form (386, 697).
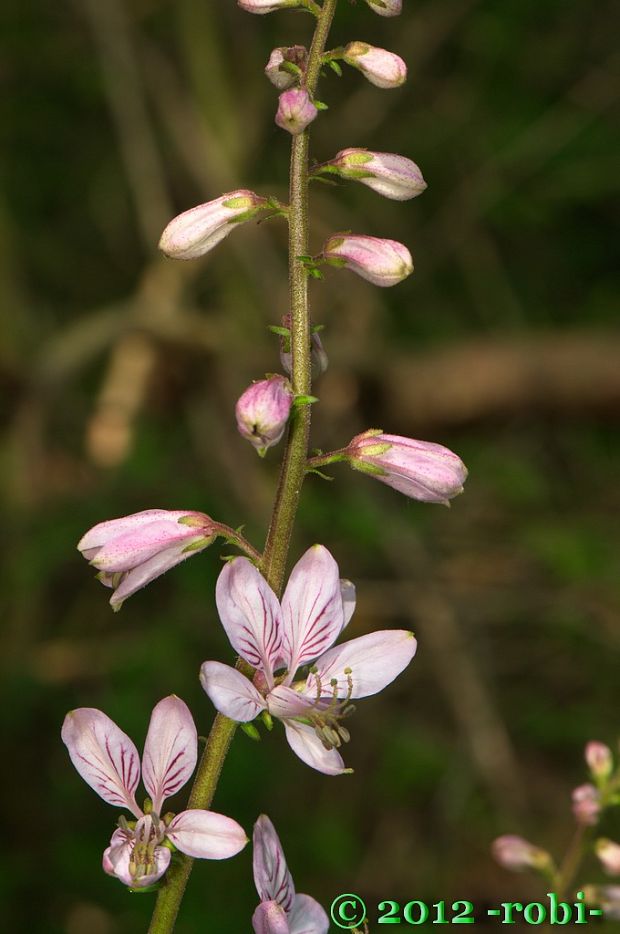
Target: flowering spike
(195, 232)
(263, 410)
(419, 469)
(382, 68)
(386, 173)
(295, 111)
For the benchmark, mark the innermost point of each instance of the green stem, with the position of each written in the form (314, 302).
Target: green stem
(571, 862)
(273, 562)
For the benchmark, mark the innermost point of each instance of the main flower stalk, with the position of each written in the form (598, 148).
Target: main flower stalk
(273, 560)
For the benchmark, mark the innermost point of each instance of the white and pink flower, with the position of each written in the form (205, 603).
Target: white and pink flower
(382, 68)
(387, 173)
(106, 758)
(132, 551)
(196, 231)
(279, 638)
(281, 909)
(295, 111)
(376, 259)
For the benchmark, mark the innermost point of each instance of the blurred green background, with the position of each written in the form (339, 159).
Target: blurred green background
(119, 371)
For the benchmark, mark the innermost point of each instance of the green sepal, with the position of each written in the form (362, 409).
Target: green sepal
(199, 544)
(365, 467)
(144, 889)
(250, 730)
(320, 105)
(337, 261)
(267, 720)
(277, 329)
(304, 400)
(291, 68)
(335, 67)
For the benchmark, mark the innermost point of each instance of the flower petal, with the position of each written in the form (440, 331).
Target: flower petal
(269, 918)
(271, 876)
(170, 750)
(348, 593)
(374, 661)
(312, 608)
(104, 756)
(231, 693)
(133, 548)
(307, 917)
(154, 567)
(206, 835)
(305, 743)
(104, 532)
(250, 614)
(284, 702)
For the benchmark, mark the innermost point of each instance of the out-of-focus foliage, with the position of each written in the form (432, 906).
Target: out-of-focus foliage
(119, 371)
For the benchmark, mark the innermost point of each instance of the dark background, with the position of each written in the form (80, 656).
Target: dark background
(119, 371)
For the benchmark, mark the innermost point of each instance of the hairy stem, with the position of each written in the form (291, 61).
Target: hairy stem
(273, 561)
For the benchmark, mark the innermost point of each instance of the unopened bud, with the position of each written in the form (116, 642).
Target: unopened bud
(295, 111)
(386, 7)
(390, 175)
(265, 6)
(281, 77)
(599, 759)
(263, 411)
(198, 230)
(519, 855)
(586, 805)
(419, 469)
(382, 68)
(608, 853)
(382, 262)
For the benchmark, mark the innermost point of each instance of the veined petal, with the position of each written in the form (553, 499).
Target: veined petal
(270, 918)
(348, 593)
(271, 876)
(305, 743)
(127, 551)
(284, 702)
(250, 614)
(104, 756)
(170, 750)
(206, 835)
(307, 917)
(312, 608)
(116, 857)
(371, 662)
(230, 692)
(104, 532)
(156, 566)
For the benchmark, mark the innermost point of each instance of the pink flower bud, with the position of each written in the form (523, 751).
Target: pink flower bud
(382, 262)
(295, 111)
(419, 469)
(386, 7)
(198, 230)
(265, 6)
(263, 410)
(599, 759)
(586, 805)
(518, 855)
(382, 68)
(132, 551)
(296, 55)
(388, 174)
(608, 853)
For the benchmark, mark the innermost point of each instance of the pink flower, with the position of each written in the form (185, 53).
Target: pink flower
(139, 851)
(295, 111)
(198, 230)
(274, 637)
(265, 6)
(382, 68)
(281, 77)
(281, 910)
(419, 469)
(608, 853)
(132, 551)
(586, 804)
(388, 174)
(263, 411)
(386, 7)
(518, 855)
(599, 759)
(382, 262)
